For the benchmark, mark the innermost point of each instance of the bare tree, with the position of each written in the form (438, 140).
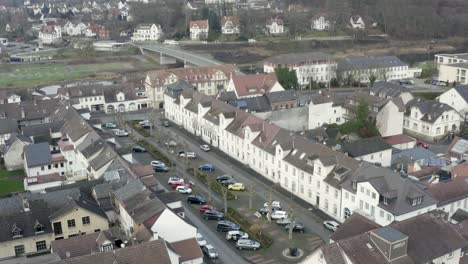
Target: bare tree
(224, 192)
(293, 222)
(209, 182)
(251, 191)
(270, 202)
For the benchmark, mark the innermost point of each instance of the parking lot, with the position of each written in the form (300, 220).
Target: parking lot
(312, 219)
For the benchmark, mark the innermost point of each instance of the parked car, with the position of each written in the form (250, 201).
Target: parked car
(205, 148)
(422, 144)
(166, 123)
(207, 207)
(160, 168)
(190, 155)
(226, 226)
(207, 167)
(279, 214)
(184, 189)
(110, 125)
(273, 203)
(266, 210)
(157, 163)
(173, 180)
(331, 225)
(196, 199)
(236, 235)
(201, 240)
(238, 186)
(226, 183)
(296, 227)
(406, 82)
(121, 133)
(223, 177)
(284, 221)
(138, 149)
(213, 215)
(171, 143)
(247, 244)
(145, 124)
(210, 252)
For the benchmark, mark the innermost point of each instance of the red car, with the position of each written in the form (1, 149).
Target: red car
(176, 184)
(422, 144)
(207, 207)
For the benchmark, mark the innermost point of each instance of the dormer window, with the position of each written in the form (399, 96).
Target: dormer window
(354, 185)
(38, 228)
(16, 231)
(386, 201)
(416, 201)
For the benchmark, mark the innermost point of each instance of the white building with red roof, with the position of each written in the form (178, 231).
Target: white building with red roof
(230, 25)
(199, 29)
(275, 26)
(50, 34)
(245, 86)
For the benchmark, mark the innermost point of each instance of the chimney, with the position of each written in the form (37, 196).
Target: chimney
(23, 114)
(67, 254)
(26, 205)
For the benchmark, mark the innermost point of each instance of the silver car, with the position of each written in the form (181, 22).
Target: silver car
(236, 235)
(210, 251)
(247, 244)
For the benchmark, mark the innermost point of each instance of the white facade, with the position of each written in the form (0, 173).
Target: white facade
(320, 24)
(389, 120)
(199, 30)
(145, 32)
(326, 113)
(357, 22)
(381, 74)
(172, 228)
(383, 157)
(448, 121)
(457, 72)
(74, 30)
(275, 26)
(453, 98)
(51, 37)
(230, 26)
(13, 158)
(321, 71)
(232, 88)
(443, 59)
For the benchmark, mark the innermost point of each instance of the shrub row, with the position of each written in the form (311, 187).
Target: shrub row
(154, 152)
(140, 129)
(254, 230)
(215, 185)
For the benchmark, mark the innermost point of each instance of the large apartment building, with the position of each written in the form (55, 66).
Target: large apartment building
(329, 180)
(382, 68)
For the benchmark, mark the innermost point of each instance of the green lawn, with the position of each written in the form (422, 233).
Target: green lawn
(44, 73)
(10, 181)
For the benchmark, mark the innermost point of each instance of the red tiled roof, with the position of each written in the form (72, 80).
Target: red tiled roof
(398, 139)
(53, 177)
(142, 170)
(199, 23)
(187, 249)
(254, 84)
(191, 75)
(450, 191)
(461, 170)
(278, 21)
(234, 19)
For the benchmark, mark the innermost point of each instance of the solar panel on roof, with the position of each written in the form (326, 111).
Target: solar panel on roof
(241, 103)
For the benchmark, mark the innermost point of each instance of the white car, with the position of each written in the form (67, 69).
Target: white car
(331, 225)
(200, 240)
(205, 148)
(171, 143)
(184, 189)
(236, 235)
(157, 163)
(190, 155)
(210, 251)
(275, 204)
(174, 180)
(279, 215)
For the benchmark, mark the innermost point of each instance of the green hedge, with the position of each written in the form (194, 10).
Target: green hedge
(154, 152)
(215, 185)
(140, 129)
(260, 236)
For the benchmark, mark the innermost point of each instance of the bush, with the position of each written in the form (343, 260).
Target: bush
(154, 152)
(140, 129)
(254, 231)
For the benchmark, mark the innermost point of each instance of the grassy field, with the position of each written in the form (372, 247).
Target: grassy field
(10, 181)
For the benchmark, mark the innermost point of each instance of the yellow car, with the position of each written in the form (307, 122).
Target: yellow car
(236, 186)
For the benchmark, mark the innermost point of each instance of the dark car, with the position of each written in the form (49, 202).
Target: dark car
(160, 168)
(166, 123)
(207, 167)
(138, 149)
(228, 182)
(224, 177)
(265, 210)
(298, 227)
(196, 199)
(226, 226)
(213, 215)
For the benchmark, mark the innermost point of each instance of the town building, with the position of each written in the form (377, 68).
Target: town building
(50, 34)
(408, 241)
(208, 80)
(320, 23)
(430, 120)
(382, 68)
(458, 149)
(13, 151)
(147, 32)
(230, 25)
(275, 26)
(454, 73)
(445, 59)
(245, 86)
(310, 67)
(8, 127)
(391, 90)
(373, 150)
(356, 22)
(9, 97)
(326, 108)
(457, 98)
(199, 29)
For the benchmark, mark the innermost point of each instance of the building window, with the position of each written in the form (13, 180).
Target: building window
(373, 195)
(353, 198)
(361, 204)
(327, 188)
(85, 220)
(57, 228)
(382, 214)
(19, 250)
(389, 217)
(385, 200)
(450, 255)
(41, 245)
(362, 189)
(346, 195)
(71, 223)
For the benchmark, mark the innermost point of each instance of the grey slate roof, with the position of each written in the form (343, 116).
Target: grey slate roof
(8, 126)
(364, 146)
(281, 96)
(175, 89)
(431, 110)
(414, 154)
(252, 104)
(82, 203)
(389, 233)
(388, 89)
(363, 63)
(42, 129)
(460, 215)
(294, 58)
(129, 190)
(463, 91)
(38, 154)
